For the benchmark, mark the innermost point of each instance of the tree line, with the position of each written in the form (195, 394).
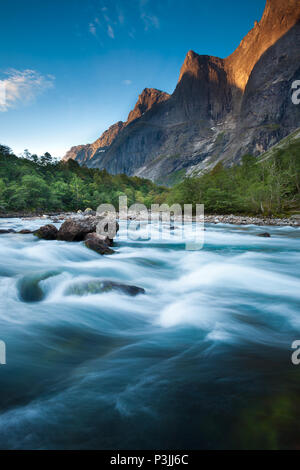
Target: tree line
(32, 183)
(254, 187)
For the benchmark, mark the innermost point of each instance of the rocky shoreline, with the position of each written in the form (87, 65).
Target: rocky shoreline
(246, 220)
(293, 221)
(75, 229)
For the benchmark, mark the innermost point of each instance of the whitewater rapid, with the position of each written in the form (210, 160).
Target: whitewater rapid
(176, 367)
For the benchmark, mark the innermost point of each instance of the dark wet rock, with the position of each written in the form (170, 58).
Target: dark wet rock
(76, 230)
(30, 289)
(264, 235)
(98, 287)
(3, 231)
(99, 243)
(95, 236)
(47, 232)
(25, 231)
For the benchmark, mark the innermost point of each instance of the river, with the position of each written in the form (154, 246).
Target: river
(202, 360)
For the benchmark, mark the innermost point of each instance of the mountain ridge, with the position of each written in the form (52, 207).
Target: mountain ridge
(148, 98)
(218, 109)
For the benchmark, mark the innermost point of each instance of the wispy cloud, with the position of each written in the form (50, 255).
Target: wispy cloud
(92, 29)
(115, 18)
(149, 19)
(103, 25)
(22, 87)
(127, 82)
(110, 31)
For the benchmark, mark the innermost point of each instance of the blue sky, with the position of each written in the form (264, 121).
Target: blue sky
(71, 68)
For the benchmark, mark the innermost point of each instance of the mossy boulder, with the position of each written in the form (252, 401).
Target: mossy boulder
(47, 232)
(98, 287)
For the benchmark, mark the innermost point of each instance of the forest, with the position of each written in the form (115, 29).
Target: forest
(270, 187)
(255, 187)
(31, 184)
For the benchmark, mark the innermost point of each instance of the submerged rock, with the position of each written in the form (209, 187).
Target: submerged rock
(99, 243)
(25, 231)
(47, 232)
(29, 288)
(98, 287)
(264, 235)
(3, 231)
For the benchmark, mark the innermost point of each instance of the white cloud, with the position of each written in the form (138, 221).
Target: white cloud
(92, 29)
(22, 87)
(127, 82)
(110, 31)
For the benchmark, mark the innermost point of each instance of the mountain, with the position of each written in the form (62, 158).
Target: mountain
(221, 109)
(84, 153)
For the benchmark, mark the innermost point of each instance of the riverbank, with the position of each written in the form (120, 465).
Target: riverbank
(293, 221)
(246, 220)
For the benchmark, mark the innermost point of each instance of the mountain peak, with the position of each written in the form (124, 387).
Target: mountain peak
(220, 110)
(191, 55)
(148, 98)
(278, 18)
(195, 64)
(276, 7)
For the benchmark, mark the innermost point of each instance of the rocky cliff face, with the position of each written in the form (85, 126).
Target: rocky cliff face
(278, 18)
(84, 153)
(220, 109)
(147, 99)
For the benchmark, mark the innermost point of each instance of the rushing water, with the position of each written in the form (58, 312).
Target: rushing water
(201, 361)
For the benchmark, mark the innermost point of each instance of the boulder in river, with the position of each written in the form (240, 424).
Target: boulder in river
(75, 230)
(98, 287)
(98, 243)
(47, 232)
(25, 231)
(3, 231)
(264, 235)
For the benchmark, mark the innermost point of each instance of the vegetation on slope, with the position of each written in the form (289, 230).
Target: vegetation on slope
(266, 186)
(31, 183)
(270, 186)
